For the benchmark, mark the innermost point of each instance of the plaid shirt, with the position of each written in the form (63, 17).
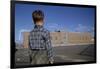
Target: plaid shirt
(40, 39)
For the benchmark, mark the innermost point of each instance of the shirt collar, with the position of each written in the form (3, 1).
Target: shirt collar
(38, 26)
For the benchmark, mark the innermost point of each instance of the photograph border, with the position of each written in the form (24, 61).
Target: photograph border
(12, 34)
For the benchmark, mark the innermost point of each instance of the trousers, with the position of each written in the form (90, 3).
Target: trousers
(39, 57)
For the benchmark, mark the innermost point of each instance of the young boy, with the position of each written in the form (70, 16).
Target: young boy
(40, 41)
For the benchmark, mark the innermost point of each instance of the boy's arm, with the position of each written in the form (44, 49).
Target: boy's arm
(49, 47)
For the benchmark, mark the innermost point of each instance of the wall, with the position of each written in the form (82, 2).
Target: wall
(64, 38)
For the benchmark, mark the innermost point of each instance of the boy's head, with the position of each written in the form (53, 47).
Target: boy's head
(38, 17)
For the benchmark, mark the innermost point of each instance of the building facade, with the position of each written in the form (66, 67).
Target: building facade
(64, 38)
(25, 39)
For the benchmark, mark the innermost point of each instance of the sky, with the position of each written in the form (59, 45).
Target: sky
(63, 18)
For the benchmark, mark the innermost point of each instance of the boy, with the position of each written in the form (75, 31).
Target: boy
(40, 41)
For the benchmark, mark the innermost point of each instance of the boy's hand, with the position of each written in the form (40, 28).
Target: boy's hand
(51, 61)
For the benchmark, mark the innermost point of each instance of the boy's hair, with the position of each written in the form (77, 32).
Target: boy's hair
(37, 15)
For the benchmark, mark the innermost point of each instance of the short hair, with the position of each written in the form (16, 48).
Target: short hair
(37, 15)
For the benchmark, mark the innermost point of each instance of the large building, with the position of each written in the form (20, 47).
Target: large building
(64, 38)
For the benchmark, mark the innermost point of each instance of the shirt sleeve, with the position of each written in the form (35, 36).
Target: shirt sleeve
(49, 46)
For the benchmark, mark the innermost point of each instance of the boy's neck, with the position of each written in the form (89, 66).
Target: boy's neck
(38, 26)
